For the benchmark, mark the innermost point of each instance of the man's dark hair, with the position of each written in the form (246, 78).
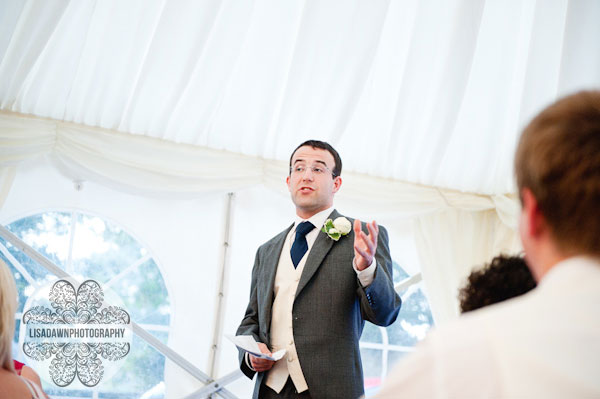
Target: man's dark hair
(337, 168)
(503, 278)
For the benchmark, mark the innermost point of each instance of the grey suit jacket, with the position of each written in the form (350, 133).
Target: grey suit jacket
(329, 310)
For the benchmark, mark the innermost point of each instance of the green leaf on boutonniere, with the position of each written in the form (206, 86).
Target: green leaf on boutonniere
(330, 229)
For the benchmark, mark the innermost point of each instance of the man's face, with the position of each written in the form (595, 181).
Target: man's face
(312, 192)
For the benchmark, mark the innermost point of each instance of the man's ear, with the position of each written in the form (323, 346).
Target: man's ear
(337, 183)
(535, 222)
(287, 181)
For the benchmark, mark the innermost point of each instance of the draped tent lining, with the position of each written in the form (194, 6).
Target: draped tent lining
(161, 168)
(402, 91)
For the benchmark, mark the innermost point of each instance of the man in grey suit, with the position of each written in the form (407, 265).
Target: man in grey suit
(312, 291)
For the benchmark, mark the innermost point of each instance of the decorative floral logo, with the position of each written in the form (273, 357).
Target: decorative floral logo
(77, 334)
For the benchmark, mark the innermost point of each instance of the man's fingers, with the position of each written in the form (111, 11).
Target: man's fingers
(259, 364)
(372, 228)
(373, 232)
(264, 348)
(368, 244)
(361, 252)
(357, 229)
(261, 369)
(365, 245)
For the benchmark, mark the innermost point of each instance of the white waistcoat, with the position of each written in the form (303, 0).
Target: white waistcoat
(282, 334)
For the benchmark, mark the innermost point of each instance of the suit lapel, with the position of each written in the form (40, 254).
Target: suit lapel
(317, 254)
(270, 270)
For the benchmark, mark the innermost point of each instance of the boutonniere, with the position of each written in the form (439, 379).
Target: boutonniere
(336, 228)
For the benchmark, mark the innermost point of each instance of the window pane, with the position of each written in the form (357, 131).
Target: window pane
(394, 357)
(100, 243)
(414, 321)
(36, 271)
(399, 273)
(48, 233)
(145, 295)
(372, 365)
(142, 372)
(56, 392)
(21, 283)
(371, 333)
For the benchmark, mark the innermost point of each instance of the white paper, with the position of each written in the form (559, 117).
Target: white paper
(249, 344)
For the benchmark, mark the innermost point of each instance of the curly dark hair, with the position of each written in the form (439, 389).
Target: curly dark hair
(503, 278)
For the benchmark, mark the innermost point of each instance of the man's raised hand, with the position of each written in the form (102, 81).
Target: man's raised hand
(365, 245)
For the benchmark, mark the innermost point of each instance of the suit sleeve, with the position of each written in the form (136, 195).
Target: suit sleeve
(249, 324)
(379, 302)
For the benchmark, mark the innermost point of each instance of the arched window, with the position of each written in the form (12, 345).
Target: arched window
(89, 246)
(382, 347)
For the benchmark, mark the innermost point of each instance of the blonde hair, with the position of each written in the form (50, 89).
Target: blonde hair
(8, 307)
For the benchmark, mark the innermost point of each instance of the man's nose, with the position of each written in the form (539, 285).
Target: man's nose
(308, 174)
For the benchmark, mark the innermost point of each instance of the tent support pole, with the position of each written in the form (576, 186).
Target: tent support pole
(221, 291)
(215, 386)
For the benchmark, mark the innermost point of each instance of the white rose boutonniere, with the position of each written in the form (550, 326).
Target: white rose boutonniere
(337, 228)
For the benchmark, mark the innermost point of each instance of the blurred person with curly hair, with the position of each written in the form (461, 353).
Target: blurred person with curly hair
(503, 278)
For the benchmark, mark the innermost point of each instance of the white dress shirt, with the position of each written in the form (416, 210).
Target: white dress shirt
(544, 344)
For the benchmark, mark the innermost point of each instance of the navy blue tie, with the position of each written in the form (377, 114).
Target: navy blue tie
(300, 245)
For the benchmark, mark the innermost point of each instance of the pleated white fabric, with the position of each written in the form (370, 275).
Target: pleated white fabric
(415, 91)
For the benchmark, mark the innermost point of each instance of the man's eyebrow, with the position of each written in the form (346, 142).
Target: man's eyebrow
(317, 161)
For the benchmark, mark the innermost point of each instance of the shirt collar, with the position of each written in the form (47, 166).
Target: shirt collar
(318, 219)
(567, 269)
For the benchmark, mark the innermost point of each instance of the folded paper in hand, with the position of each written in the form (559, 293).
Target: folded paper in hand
(247, 343)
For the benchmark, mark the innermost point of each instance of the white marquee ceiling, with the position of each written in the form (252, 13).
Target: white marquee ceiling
(419, 91)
